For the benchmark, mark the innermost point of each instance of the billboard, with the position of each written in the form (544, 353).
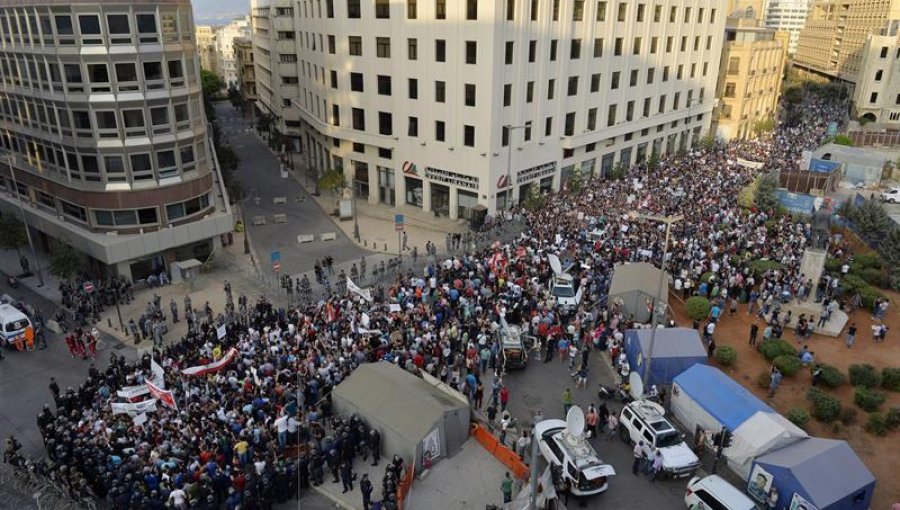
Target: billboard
(823, 166)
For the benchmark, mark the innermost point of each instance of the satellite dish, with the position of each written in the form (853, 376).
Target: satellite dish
(575, 422)
(637, 385)
(555, 263)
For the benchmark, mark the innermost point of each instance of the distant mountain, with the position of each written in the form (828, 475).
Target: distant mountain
(218, 12)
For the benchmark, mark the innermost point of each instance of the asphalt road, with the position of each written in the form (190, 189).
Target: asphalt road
(260, 176)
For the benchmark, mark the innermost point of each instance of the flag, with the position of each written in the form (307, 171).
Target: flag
(212, 367)
(158, 374)
(354, 288)
(164, 396)
(133, 409)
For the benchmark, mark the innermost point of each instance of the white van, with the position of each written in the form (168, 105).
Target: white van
(714, 493)
(13, 323)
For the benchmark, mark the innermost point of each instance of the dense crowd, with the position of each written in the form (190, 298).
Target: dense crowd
(261, 429)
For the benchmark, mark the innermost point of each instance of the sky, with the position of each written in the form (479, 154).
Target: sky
(219, 11)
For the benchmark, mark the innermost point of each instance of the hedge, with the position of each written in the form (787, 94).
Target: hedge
(890, 379)
(771, 349)
(697, 308)
(868, 399)
(825, 407)
(798, 416)
(831, 376)
(876, 424)
(864, 375)
(788, 364)
(726, 355)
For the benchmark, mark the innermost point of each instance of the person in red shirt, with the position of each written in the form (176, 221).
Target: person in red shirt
(504, 397)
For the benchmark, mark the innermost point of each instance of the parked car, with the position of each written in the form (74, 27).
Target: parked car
(562, 287)
(574, 456)
(892, 195)
(643, 420)
(714, 493)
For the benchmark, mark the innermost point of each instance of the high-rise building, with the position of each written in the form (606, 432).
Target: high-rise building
(450, 105)
(104, 134)
(243, 56)
(206, 46)
(226, 66)
(832, 41)
(877, 97)
(750, 77)
(787, 16)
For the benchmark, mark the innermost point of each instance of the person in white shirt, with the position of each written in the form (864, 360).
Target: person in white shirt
(281, 425)
(178, 499)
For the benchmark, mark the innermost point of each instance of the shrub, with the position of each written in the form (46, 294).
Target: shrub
(848, 415)
(771, 349)
(726, 355)
(763, 380)
(788, 364)
(868, 399)
(890, 379)
(833, 265)
(798, 416)
(865, 261)
(871, 275)
(864, 375)
(892, 418)
(705, 277)
(876, 425)
(761, 266)
(697, 308)
(831, 376)
(825, 407)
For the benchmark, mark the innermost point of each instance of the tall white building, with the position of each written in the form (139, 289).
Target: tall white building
(788, 16)
(410, 99)
(226, 64)
(877, 91)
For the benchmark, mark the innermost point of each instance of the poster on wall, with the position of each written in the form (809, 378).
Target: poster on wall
(431, 445)
(759, 484)
(798, 502)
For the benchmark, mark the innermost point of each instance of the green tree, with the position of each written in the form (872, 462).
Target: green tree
(576, 181)
(617, 172)
(766, 198)
(65, 261)
(889, 248)
(708, 142)
(764, 126)
(843, 140)
(12, 234)
(535, 199)
(872, 220)
(332, 180)
(211, 83)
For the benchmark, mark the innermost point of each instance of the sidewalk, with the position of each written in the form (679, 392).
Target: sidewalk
(9, 264)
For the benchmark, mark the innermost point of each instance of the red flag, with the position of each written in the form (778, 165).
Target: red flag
(212, 367)
(164, 396)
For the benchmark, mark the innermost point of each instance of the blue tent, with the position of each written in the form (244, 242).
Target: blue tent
(675, 350)
(717, 395)
(825, 472)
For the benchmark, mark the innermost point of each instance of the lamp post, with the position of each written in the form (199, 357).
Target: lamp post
(668, 221)
(509, 130)
(12, 173)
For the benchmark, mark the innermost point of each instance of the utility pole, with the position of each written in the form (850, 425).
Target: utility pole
(15, 192)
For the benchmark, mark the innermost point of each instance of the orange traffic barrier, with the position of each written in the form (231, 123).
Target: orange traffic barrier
(502, 453)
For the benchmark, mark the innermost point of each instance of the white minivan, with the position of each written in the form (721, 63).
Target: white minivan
(714, 493)
(13, 323)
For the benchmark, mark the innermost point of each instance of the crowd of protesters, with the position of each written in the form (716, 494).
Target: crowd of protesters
(261, 430)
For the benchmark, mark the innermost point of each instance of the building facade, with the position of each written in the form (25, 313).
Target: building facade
(787, 16)
(877, 93)
(226, 64)
(205, 35)
(103, 132)
(243, 56)
(750, 78)
(831, 43)
(410, 99)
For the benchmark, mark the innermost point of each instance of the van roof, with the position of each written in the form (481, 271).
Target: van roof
(8, 311)
(727, 493)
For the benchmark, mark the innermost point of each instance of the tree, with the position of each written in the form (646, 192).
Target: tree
(576, 181)
(708, 142)
(534, 200)
(766, 198)
(843, 140)
(332, 180)
(872, 220)
(12, 234)
(65, 261)
(764, 126)
(211, 83)
(235, 95)
(617, 172)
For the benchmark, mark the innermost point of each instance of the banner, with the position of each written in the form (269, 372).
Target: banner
(759, 484)
(354, 288)
(750, 164)
(212, 367)
(158, 378)
(431, 445)
(798, 502)
(132, 392)
(164, 396)
(220, 332)
(133, 409)
(140, 419)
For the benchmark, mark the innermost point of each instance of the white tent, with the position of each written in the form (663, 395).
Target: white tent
(761, 433)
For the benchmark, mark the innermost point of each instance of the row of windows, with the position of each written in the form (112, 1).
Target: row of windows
(28, 72)
(382, 10)
(28, 26)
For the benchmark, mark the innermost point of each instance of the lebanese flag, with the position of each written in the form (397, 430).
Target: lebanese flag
(210, 368)
(165, 396)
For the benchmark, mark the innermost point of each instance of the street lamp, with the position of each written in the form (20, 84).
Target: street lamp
(668, 221)
(12, 173)
(509, 129)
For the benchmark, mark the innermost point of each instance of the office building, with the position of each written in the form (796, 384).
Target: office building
(104, 134)
(877, 97)
(206, 46)
(787, 16)
(410, 99)
(243, 56)
(226, 66)
(750, 77)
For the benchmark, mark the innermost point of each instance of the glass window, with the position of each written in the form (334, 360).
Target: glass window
(117, 23)
(140, 163)
(64, 25)
(123, 218)
(147, 216)
(159, 116)
(187, 155)
(133, 118)
(181, 112)
(106, 120)
(175, 211)
(73, 73)
(104, 218)
(175, 70)
(126, 72)
(89, 24)
(153, 71)
(98, 73)
(146, 23)
(166, 159)
(114, 164)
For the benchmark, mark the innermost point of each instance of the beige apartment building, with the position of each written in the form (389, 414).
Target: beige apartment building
(831, 44)
(750, 77)
(877, 96)
(243, 56)
(206, 46)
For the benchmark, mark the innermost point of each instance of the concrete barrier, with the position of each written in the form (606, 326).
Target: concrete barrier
(279, 200)
(330, 236)
(258, 220)
(305, 238)
(279, 218)
(53, 326)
